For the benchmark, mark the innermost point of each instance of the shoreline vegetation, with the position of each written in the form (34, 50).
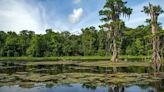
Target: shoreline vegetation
(84, 61)
(75, 58)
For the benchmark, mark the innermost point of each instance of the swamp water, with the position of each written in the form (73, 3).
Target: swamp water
(19, 77)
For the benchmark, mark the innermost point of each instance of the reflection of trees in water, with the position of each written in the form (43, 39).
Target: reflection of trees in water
(159, 85)
(156, 67)
(60, 68)
(150, 88)
(50, 85)
(162, 67)
(132, 69)
(114, 69)
(116, 88)
(89, 85)
(10, 67)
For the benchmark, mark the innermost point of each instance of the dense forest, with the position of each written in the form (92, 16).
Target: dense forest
(90, 42)
(111, 39)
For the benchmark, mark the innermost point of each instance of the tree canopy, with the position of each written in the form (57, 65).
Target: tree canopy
(112, 38)
(90, 42)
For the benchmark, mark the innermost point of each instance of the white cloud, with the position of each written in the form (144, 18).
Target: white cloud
(76, 1)
(91, 19)
(76, 15)
(17, 15)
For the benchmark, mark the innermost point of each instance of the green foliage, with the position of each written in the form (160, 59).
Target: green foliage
(136, 48)
(157, 9)
(37, 47)
(91, 41)
(112, 11)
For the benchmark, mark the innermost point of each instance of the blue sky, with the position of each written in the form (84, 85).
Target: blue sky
(63, 15)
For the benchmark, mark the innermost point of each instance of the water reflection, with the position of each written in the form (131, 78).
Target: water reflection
(69, 68)
(157, 67)
(83, 88)
(89, 86)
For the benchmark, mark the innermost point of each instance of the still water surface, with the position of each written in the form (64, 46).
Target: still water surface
(14, 86)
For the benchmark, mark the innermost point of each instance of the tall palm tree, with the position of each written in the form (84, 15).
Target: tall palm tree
(111, 13)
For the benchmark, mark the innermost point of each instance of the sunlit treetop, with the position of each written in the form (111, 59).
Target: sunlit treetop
(113, 9)
(157, 10)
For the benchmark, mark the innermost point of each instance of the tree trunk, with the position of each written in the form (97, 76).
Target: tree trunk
(156, 56)
(115, 52)
(156, 40)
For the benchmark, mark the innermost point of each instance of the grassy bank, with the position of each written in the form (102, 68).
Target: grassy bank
(72, 58)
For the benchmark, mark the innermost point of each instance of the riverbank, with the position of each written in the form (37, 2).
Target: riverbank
(73, 58)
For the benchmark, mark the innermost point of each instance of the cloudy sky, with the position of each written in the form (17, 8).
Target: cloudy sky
(61, 15)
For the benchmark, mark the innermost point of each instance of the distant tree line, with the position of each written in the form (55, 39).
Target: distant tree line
(90, 42)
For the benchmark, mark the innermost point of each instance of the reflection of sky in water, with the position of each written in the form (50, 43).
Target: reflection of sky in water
(139, 89)
(71, 88)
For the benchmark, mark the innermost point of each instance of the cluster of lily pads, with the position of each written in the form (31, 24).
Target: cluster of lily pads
(76, 73)
(26, 79)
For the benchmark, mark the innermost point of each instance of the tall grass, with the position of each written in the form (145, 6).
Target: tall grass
(71, 58)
